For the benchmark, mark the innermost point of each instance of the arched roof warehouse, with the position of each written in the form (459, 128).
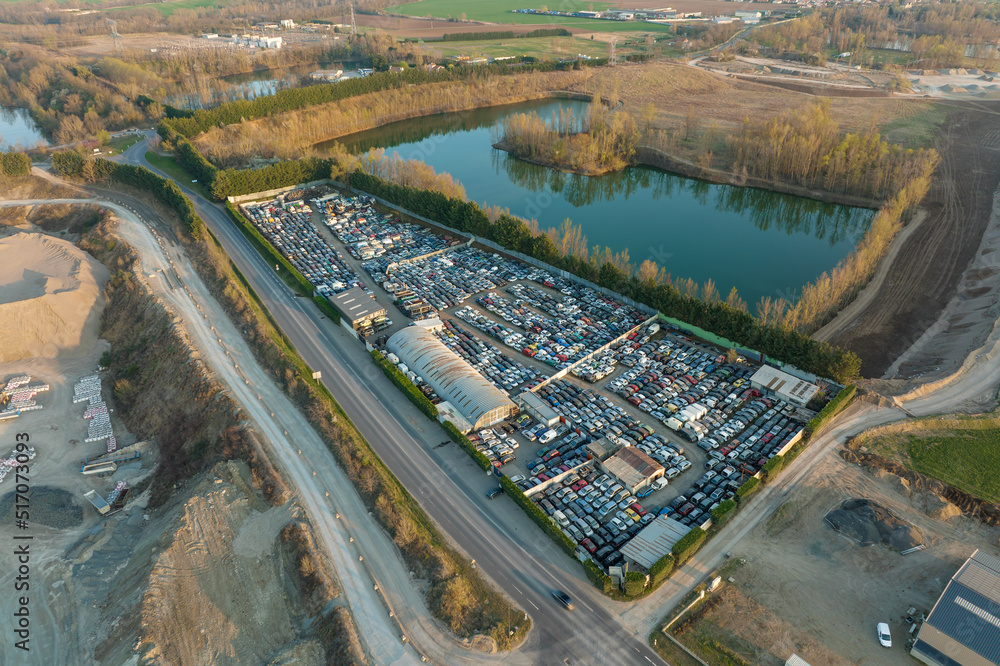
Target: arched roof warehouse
(454, 380)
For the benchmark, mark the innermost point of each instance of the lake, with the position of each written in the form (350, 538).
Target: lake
(18, 129)
(763, 243)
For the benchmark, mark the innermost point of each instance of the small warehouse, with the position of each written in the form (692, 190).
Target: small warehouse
(787, 387)
(963, 628)
(357, 308)
(633, 468)
(480, 402)
(654, 541)
(539, 410)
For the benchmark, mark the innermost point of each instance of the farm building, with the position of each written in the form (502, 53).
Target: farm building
(963, 628)
(654, 541)
(787, 387)
(633, 468)
(480, 402)
(540, 410)
(357, 308)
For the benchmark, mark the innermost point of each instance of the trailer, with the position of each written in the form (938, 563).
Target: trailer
(102, 507)
(99, 468)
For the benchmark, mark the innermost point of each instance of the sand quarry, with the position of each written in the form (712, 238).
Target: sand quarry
(50, 298)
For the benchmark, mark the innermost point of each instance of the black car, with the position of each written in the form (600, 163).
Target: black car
(494, 492)
(563, 598)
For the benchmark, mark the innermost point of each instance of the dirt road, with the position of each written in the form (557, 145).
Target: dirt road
(928, 269)
(313, 471)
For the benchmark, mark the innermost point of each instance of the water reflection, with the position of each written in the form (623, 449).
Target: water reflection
(17, 129)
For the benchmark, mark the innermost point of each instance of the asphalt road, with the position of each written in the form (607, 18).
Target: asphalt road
(449, 487)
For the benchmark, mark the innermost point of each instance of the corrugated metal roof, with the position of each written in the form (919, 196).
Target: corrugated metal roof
(356, 304)
(968, 611)
(631, 466)
(654, 541)
(783, 383)
(450, 376)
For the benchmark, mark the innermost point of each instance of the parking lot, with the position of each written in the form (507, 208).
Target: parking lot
(683, 403)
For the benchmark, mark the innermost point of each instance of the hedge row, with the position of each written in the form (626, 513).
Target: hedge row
(513, 233)
(234, 182)
(404, 384)
(15, 164)
(839, 403)
(661, 570)
(304, 286)
(688, 545)
(722, 513)
(504, 34)
(541, 519)
(71, 164)
(601, 580)
(326, 308)
(635, 583)
(749, 487)
(463, 441)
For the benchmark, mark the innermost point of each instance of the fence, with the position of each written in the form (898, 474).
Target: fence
(269, 194)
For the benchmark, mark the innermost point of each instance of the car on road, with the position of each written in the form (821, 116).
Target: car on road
(563, 598)
(494, 492)
(884, 637)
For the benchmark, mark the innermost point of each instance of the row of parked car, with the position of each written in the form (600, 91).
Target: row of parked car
(368, 234)
(504, 372)
(594, 510)
(287, 226)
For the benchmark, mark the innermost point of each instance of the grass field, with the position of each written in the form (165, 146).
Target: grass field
(168, 165)
(168, 8)
(500, 11)
(963, 452)
(538, 47)
(917, 130)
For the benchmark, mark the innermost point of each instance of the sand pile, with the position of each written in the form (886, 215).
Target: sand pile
(50, 297)
(869, 523)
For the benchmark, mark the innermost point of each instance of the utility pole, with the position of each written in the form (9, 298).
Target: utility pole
(612, 58)
(354, 24)
(114, 35)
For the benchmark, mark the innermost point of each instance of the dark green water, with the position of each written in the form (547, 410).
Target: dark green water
(761, 242)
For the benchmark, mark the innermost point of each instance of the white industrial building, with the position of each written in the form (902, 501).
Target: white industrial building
(787, 387)
(654, 541)
(540, 410)
(480, 402)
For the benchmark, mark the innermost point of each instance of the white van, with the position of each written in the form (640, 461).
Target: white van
(560, 518)
(547, 436)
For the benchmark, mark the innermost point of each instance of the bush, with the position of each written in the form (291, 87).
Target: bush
(67, 163)
(661, 570)
(839, 403)
(536, 514)
(749, 487)
(404, 384)
(772, 468)
(635, 583)
(456, 436)
(235, 182)
(688, 545)
(304, 286)
(723, 512)
(601, 580)
(15, 164)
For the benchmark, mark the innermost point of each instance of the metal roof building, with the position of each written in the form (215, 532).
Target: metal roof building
(357, 307)
(654, 541)
(538, 408)
(633, 468)
(454, 380)
(963, 628)
(787, 387)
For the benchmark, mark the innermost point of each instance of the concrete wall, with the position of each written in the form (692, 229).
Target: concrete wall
(270, 194)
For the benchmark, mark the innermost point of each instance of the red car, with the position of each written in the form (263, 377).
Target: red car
(589, 545)
(543, 477)
(579, 484)
(638, 509)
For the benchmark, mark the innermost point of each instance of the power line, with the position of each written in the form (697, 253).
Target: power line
(117, 38)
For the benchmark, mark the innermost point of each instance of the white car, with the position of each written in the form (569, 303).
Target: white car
(884, 637)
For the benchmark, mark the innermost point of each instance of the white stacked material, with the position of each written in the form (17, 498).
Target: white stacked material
(16, 381)
(99, 428)
(114, 494)
(95, 410)
(112, 444)
(86, 388)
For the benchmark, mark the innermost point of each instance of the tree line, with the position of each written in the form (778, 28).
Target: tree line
(70, 164)
(513, 233)
(190, 123)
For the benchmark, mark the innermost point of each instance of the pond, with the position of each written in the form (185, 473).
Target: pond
(18, 129)
(763, 243)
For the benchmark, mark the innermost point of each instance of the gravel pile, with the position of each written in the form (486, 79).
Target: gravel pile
(49, 506)
(869, 523)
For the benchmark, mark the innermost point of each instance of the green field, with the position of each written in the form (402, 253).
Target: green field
(168, 8)
(168, 165)
(543, 48)
(917, 130)
(499, 11)
(961, 451)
